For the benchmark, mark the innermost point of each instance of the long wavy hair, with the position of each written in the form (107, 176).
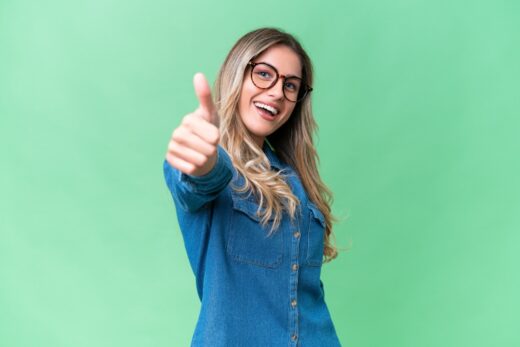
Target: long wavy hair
(293, 141)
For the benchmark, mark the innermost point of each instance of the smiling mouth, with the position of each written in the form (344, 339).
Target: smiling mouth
(266, 115)
(266, 108)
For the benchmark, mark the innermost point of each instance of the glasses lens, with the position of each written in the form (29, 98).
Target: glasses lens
(291, 88)
(263, 76)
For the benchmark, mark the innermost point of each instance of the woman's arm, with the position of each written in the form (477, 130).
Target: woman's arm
(194, 192)
(196, 168)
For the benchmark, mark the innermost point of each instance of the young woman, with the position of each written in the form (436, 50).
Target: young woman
(253, 211)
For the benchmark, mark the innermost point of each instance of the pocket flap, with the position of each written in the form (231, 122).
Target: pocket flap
(317, 213)
(248, 205)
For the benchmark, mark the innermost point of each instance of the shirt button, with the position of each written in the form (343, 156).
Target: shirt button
(294, 337)
(294, 267)
(293, 303)
(296, 234)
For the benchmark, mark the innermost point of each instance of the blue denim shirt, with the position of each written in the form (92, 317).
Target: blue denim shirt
(254, 290)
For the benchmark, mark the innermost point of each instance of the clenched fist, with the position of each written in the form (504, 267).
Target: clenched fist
(193, 145)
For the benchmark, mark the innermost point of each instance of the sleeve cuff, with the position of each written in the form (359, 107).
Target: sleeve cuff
(216, 179)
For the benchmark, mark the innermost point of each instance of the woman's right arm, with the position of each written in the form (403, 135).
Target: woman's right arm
(196, 168)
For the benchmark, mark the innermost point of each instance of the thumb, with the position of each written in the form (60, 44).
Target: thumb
(203, 92)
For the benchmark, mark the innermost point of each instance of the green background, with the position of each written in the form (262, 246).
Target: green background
(418, 105)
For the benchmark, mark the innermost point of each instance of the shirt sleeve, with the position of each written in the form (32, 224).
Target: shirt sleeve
(194, 192)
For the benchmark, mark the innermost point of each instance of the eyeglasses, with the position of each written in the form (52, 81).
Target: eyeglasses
(264, 76)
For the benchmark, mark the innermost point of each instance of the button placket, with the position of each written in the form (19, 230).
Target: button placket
(293, 302)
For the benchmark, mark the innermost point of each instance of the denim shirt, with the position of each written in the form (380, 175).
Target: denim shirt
(255, 290)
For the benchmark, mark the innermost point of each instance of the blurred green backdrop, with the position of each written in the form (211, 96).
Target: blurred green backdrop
(418, 105)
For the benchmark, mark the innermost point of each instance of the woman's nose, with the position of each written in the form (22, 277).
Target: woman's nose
(276, 90)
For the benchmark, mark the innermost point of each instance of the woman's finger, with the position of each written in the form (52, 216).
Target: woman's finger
(203, 92)
(179, 164)
(187, 154)
(202, 128)
(190, 139)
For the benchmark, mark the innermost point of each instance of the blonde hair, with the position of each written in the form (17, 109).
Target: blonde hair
(293, 141)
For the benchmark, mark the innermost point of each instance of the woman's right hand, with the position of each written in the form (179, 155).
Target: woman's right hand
(193, 144)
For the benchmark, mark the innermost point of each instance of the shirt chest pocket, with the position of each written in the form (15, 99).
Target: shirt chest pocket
(248, 241)
(315, 234)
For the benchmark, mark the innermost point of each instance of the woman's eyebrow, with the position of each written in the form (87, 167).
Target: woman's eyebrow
(278, 69)
(288, 75)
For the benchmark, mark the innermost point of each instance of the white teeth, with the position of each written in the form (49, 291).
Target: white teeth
(267, 107)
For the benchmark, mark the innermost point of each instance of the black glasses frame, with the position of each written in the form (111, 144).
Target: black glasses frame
(302, 93)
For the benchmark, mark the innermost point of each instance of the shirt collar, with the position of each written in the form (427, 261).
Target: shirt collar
(271, 155)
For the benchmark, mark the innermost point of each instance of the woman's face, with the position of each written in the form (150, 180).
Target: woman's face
(258, 121)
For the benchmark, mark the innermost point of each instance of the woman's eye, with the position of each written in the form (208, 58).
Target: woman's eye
(264, 74)
(290, 86)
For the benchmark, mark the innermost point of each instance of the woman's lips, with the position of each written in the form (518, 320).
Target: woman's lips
(264, 114)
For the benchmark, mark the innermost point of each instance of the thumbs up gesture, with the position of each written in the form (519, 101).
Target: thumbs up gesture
(193, 144)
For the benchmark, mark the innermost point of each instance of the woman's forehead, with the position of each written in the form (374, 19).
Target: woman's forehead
(283, 58)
